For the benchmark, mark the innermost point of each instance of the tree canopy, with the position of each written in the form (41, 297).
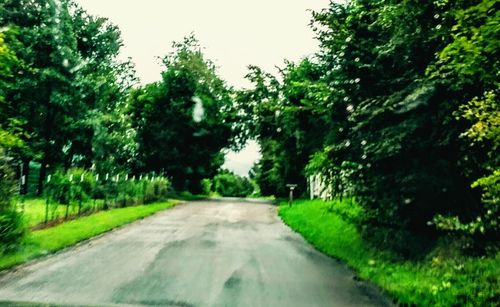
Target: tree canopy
(183, 121)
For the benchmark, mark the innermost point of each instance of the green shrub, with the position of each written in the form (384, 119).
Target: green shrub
(206, 186)
(156, 189)
(59, 188)
(229, 184)
(78, 186)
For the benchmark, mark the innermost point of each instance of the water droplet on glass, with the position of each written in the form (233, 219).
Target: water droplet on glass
(84, 39)
(346, 98)
(347, 143)
(356, 59)
(436, 16)
(278, 129)
(363, 142)
(198, 110)
(407, 201)
(438, 27)
(65, 63)
(357, 80)
(363, 157)
(350, 108)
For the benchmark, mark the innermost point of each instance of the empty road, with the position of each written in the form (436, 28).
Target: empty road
(207, 253)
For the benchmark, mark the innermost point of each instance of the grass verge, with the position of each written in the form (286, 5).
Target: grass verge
(45, 241)
(33, 210)
(438, 281)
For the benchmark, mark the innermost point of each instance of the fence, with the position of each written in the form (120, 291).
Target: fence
(77, 192)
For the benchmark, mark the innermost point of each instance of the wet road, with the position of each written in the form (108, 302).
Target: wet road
(210, 253)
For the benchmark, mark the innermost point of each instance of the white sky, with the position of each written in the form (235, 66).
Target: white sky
(234, 33)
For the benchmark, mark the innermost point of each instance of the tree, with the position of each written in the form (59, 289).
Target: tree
(394, 143)
(11, 228)
(182, 121)
(70, 96)
(280, 115)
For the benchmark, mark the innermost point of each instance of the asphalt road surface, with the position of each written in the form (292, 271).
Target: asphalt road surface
(210, 253)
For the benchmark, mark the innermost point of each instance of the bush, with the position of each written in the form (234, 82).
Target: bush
(229, 184)
(11, 226)
(206, 186)
(78, 186)
(60, 188)
(156, 189)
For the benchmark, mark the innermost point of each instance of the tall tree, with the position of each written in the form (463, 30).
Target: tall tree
(280, 115)
(182, 121)
(42, 99)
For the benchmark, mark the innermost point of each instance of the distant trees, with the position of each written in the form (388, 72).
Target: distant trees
(226, 183)
(185, 120)
(281, 116)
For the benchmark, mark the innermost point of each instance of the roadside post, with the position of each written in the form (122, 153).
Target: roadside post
(291, 187)
(23, 184)
(47, 202)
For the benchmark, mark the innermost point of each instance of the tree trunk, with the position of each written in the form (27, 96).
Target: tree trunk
(41, 178)
(25, 172)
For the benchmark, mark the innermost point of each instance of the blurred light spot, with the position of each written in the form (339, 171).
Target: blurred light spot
(199, 110)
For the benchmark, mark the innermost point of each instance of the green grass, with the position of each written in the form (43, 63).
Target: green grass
(49, 240)
(33, 210)
(438, 281)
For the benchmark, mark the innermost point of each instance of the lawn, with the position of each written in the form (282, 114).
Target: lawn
(49, 240)
(439, 281)
(33, 210)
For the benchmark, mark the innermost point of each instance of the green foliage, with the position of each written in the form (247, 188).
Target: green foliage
(469, 67)
(394, 135)
(182, 121)
(69, 93)
(281, 115)
(11, 225)
(59, 188)
(444, 278)
(206, 186)
(78, 187)
(382, 114)
(156, 190)
(227, 183)
(62, 187)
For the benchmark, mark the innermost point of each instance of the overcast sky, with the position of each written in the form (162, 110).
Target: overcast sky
(234, 33)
